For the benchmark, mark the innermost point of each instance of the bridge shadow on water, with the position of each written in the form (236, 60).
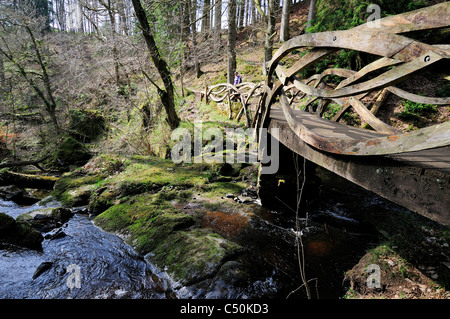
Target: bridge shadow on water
(339, 222)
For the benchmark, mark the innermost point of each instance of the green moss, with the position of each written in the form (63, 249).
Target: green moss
(218, 189)
(19, 233)
(74, 190)
(72, 152)
(138, 201)
(86, 125)
(145, 219)
(194, 255)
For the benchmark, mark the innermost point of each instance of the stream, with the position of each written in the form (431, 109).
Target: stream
(107, 268)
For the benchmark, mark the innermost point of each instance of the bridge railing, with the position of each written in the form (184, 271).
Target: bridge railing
(395, 58)
(247, 93)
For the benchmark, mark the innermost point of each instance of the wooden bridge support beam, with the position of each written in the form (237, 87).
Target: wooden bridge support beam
(422, 190)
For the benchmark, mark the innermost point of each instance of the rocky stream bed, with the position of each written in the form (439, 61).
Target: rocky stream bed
(143, 227)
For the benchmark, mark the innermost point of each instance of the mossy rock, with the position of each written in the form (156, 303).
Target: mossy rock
(103, 198)
(61, 214)
(19, 233)
(72, 152)
(145, 219)
(192, 256)
(74, 190)
(46, 219)
(86, 125)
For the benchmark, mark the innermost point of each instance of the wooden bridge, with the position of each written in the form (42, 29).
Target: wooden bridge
(409, 168)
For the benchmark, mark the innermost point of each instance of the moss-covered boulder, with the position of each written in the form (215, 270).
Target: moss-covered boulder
(74, 190)
(192, 256)
(86, 125)
(19, 233)
(169, 236)
(144, 219)
(71, 152)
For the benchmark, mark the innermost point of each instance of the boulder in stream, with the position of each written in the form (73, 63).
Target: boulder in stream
(19, 233)
(46, 219)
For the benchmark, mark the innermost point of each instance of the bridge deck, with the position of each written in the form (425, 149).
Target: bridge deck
(419, 181)
(433, 158)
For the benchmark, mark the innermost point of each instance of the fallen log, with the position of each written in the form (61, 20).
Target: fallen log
(24, 163)
(27, 180)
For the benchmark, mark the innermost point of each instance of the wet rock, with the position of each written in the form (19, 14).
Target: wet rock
(192, 256)
(229, 196)
(61, 214)
(43, 267)
(19, 233)
(17, 195)
(46, 219)
(58, 234)
(80, 210)
(243, 199)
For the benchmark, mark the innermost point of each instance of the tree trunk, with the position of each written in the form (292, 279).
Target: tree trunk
(61, 14)
(27, 181)
(80, 18)
(2, 74)
(193, 12)
(270, 31)
(241, 14)
(231, 40)
(166, 96)
(312, 12)
(112, 19)
(284, 29)
(206, 15)
(217, 23)
(50, 102)
(123, 26)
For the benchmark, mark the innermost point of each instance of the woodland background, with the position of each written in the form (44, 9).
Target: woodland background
(116, 81)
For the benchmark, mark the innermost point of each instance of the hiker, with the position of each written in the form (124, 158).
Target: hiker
(237, 78)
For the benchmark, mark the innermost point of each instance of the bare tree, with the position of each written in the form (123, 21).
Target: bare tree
(18, 39)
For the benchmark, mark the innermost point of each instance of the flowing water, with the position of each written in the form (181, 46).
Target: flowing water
(106, 267)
